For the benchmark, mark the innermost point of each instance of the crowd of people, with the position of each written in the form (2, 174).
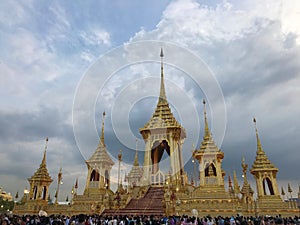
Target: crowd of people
(145, 220)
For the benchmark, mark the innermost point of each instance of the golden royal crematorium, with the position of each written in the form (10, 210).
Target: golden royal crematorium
(150, 191)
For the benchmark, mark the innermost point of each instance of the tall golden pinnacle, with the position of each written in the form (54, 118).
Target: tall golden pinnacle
(42, 172)
(44, 157)
(259, 148)
(206, 128)
(162, 94)
(102, 131)
(162, 116)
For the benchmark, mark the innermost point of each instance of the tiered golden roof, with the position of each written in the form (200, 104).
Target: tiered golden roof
(101, 155)
(162, 116)
(136, 172)
(208, 144)
(42, 172)
(261, 162)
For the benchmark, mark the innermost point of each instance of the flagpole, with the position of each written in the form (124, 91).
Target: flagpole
(119, 159)
(58, 184)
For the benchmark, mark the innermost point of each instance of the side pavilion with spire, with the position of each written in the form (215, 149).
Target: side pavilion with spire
(268, 196)
(36, 198)
(97, 194)
(40, 181)
(99, 166)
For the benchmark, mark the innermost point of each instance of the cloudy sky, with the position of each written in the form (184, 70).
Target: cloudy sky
(63, 63)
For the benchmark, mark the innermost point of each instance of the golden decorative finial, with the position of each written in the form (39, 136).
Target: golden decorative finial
(289, 189)
(76, 183)
(102, 131)
(162, 95)
(236, 184)
(229, 181)
(282, 191)
(244, 166)
(259, 148)
(207, 133)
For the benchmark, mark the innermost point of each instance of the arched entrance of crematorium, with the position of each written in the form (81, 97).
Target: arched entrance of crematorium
(158, 150)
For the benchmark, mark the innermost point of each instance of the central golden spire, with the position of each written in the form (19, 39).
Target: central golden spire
(259, 148)
(207, 134)
(162, 94)
(102, 131)
(162, 116)
(44, 157)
